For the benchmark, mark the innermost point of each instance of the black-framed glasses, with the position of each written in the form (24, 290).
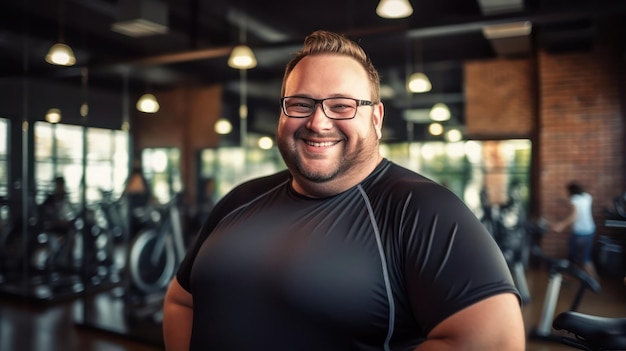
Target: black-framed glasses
(334, 108)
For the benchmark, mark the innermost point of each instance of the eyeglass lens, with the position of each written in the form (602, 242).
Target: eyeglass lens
(338, 108)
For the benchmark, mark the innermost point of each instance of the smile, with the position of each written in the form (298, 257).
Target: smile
(323, 144)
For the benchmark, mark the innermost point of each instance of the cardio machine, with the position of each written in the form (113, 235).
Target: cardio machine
(591, 333)
(557, 268)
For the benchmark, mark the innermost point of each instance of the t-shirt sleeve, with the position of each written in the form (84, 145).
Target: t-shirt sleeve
(451, 261)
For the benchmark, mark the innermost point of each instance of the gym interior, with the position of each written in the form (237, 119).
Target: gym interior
(99, 198)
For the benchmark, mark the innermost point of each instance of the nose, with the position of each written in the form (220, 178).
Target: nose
(318, 120)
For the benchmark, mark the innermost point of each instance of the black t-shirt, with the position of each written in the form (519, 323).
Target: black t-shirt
(375, 267)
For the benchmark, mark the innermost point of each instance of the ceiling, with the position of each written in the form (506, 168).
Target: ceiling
(438, 38)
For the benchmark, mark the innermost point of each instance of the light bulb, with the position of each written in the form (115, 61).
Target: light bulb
(53, 115)
(61, 54)
(242, 57)
(419, 83)
(394, 8)
(148, 103)
(435, 129)
(223, 126)
(440, 112)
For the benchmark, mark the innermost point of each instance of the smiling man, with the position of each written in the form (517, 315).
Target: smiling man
(345, 250)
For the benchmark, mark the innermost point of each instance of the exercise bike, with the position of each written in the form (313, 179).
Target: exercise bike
(507, 225)
(153, 258)
(157, 249)
(591, 333)
(557, 268)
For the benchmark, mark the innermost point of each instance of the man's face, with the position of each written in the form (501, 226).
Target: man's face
(328, 156)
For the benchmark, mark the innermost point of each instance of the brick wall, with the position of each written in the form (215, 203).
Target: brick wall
(570, 106)
(499, 98)
(581, 133)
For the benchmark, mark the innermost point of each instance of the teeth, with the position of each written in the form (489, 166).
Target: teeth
(324, 144)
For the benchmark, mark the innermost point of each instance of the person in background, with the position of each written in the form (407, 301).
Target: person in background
(56, 210)
(57, 218)
(583, 228)
(138, 196)
(344, 250)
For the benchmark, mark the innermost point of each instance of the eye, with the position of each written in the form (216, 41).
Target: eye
(299, 104)
(341, 105)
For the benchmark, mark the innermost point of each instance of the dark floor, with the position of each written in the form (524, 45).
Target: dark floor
(26, 326)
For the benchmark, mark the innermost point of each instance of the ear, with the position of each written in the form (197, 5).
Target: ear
(377, 118)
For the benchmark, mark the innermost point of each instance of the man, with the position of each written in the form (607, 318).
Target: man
(345, 250)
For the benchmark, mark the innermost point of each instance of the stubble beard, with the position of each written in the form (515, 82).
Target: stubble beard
(344, 163)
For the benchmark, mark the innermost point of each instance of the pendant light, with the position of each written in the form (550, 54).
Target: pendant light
(435, 129)
(394, 9)
(53, 115)
(60, 53)
(439, 112)
(453, 135)
(223, 126)
(148, 103)
(242, 57)
(418, 82)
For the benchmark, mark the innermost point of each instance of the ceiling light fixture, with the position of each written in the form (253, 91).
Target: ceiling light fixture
(440, 112)
(435, 129)
(60, 53)
(223, 126)
(242, 57)
(394, 9)
(454, 135)
(419, 83)
(53, 115)
(148, 103)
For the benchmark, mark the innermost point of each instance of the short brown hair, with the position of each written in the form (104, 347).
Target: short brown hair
(325, 42)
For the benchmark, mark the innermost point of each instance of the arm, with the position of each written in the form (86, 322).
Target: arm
(177, 317)
(562, 224)
(492, 324)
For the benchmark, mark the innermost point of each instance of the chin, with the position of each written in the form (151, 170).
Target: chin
(317, 172)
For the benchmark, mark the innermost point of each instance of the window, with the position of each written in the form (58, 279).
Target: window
(161, 168)
(107, 162)
(470, 168)
(228, 166)
(59, 152)
(4, 157)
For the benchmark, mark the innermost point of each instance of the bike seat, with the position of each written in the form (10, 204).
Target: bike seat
(608, 332)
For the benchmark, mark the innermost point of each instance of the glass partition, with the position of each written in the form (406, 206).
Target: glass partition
(4, 157)
(470, 168)
(5, 209)
(229, 166)
(467, 168)
(65, 246)
(58, 153)
(161, 168)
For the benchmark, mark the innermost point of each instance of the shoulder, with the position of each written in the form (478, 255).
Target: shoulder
(253, 188)
(401, 188)
(397, 179)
